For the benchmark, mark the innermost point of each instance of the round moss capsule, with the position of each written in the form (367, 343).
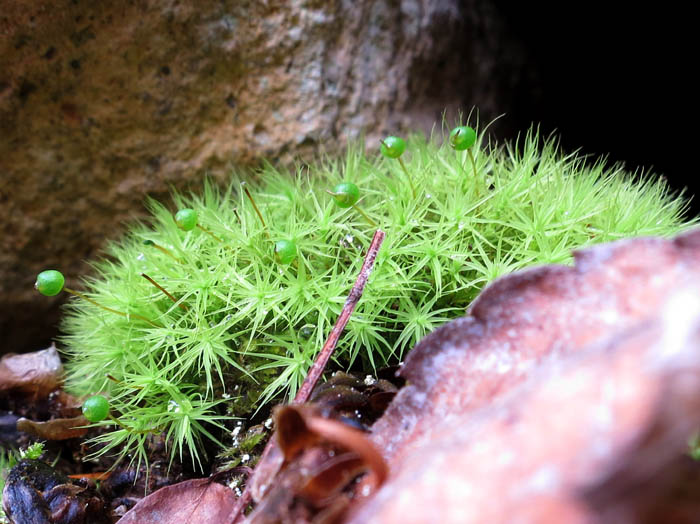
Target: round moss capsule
(462, 137)
(285, 251)
(346, 194)
(96, 408)
(49, 282)
(393, 147)
(186, 219)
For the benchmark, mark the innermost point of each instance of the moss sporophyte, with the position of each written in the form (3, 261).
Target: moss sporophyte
(235, 294)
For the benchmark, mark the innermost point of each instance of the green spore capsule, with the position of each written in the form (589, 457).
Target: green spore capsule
(49, 282)
(161, 249)
(346, 194)
(393, 147)
(462, 137)
(285, 251)
(186, 219)
(96, 408)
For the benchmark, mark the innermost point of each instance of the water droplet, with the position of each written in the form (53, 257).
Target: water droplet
(460, 226)
(141, 257)
(428, 195)
(173, 406)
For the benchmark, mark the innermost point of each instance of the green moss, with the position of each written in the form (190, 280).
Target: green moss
(244, 326)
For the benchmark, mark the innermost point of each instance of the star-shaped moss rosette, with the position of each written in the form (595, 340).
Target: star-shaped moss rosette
(239, 306)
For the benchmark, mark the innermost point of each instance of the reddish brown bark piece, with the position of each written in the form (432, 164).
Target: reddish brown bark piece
(199, 500)
(35, 374)
(566, 395)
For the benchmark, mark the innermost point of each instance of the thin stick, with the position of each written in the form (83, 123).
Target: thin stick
(319, 364)
(80, 295)
(413, 189)
(209, 232)
(371, 222)
(250, 197)
(110, 377)
(181, 306)
(161, 249)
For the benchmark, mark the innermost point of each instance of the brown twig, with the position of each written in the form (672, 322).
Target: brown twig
(319, 364)
(165, 292)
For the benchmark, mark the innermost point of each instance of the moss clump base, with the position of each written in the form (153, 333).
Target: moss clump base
(243, 328)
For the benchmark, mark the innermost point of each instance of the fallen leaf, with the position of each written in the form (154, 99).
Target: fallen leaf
(35, 374)
(198, 500)
(55, 429)
(567, 394)
(322, 457)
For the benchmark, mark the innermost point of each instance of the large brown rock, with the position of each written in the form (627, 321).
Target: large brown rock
(104, 103)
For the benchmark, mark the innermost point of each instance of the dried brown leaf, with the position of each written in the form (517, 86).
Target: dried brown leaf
(56, 429)
(35, 374)
(198, 500)
(566, 395)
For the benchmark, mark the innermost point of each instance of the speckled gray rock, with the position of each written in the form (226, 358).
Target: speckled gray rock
(102, 104)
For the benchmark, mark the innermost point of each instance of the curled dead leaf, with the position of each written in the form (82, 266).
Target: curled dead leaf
(35, 374)
(567, 395)
(55, 429)
(299, 427)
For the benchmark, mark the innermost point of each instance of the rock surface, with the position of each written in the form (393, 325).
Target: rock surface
(566, 395)
(103, 104)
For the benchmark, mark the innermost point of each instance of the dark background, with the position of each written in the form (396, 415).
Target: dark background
(611, 80)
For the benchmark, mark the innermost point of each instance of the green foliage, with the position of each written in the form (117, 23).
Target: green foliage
(33, 451)
(243, 329)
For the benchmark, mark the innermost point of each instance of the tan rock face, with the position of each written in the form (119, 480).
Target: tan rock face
(102, 104)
